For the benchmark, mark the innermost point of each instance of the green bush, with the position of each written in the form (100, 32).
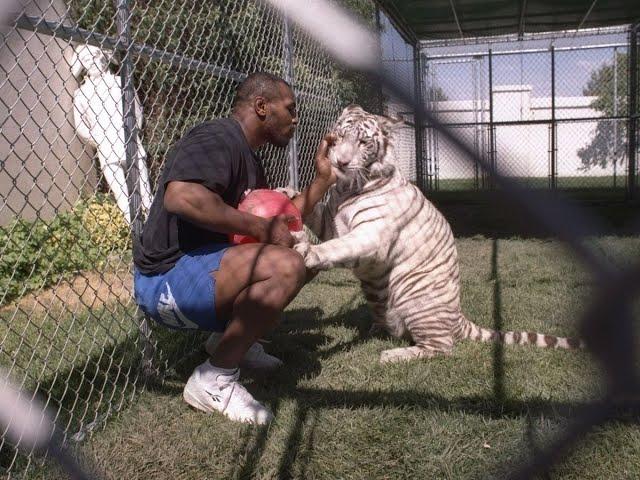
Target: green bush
(38, 254)
(104, 223)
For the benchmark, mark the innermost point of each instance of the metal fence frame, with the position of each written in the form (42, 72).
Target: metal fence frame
(429, 180)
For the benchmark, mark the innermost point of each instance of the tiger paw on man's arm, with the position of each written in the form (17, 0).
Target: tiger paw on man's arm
(311, 259)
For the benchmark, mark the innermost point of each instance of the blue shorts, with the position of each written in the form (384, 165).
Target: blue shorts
(184, 297)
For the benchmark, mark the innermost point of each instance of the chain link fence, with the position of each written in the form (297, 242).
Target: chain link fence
(399, 62)
(93, 94)
(551, 111)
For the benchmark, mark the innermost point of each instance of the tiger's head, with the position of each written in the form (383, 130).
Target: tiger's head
(363, 147)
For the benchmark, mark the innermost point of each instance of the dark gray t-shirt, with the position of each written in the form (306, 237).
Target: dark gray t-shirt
(215, 154)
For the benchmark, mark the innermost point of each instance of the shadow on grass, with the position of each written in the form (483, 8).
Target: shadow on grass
(297, 342)
(114, 374)
(498, 347)
(83, 397)
(477, 405)
(493, 215)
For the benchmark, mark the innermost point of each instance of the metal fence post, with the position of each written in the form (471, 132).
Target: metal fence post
(428, 184)
(476, 139)
(417, 115)
(633, 109)
(492, 133)
(553, 149)
(130, 127)
(482, 127)
(615, 114)
(289, 75)
(123, 16)
(435, 160)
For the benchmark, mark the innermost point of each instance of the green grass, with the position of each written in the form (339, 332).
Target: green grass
(340, 414)
(86, 364)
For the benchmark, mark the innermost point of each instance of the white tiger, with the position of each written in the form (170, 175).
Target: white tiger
(398, 244)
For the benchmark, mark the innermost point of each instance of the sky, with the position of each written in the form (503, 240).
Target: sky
(573, 68)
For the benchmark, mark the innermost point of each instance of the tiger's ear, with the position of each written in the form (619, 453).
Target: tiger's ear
(390, 125)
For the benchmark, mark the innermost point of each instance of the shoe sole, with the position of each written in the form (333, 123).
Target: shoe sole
(194, 402)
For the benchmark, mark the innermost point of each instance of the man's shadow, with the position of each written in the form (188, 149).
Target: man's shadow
(296, 342)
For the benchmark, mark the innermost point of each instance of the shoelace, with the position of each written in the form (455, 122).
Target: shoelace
(237, 389)
(241, 394)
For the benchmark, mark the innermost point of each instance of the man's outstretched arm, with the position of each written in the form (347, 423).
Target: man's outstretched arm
(325, 177)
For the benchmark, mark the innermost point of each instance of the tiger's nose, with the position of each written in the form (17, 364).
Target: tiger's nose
(343, 161)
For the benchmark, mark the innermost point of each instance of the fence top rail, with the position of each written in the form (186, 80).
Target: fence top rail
(67, 32)
(523, 51)
(513, 37)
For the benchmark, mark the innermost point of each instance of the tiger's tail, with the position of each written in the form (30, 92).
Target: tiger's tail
(479, 334)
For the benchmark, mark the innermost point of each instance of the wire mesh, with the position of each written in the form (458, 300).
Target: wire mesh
(314, 77)
(558, 105)
(398, 61)
(69, 329)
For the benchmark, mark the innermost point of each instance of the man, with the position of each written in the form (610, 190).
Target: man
(188, 276)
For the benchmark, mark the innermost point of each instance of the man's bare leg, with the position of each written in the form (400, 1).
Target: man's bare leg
(254, 283)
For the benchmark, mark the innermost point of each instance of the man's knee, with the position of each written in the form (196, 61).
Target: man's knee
(290, 268)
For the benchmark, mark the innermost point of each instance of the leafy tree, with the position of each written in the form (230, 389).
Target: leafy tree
(607, 146)
(241, 36)
(355, 87)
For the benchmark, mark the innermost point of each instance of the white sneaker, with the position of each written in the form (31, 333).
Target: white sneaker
(255, 358)
(224, 394)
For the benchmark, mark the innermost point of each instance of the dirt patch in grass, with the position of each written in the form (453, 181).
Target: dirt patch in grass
(85, 290)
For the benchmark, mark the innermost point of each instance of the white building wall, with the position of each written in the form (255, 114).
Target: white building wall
(44, 167)
(523, 150)
(404, 141)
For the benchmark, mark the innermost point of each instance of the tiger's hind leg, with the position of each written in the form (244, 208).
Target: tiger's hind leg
(432, 336)
(380, 326)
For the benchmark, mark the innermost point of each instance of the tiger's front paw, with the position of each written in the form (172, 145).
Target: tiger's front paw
(310, 257)
(301, 247)
(289, 192)
(300, 237)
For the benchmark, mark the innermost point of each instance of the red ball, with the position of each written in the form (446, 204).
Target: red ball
(266, 204)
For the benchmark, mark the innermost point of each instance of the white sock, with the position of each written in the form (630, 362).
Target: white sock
(209, 372)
